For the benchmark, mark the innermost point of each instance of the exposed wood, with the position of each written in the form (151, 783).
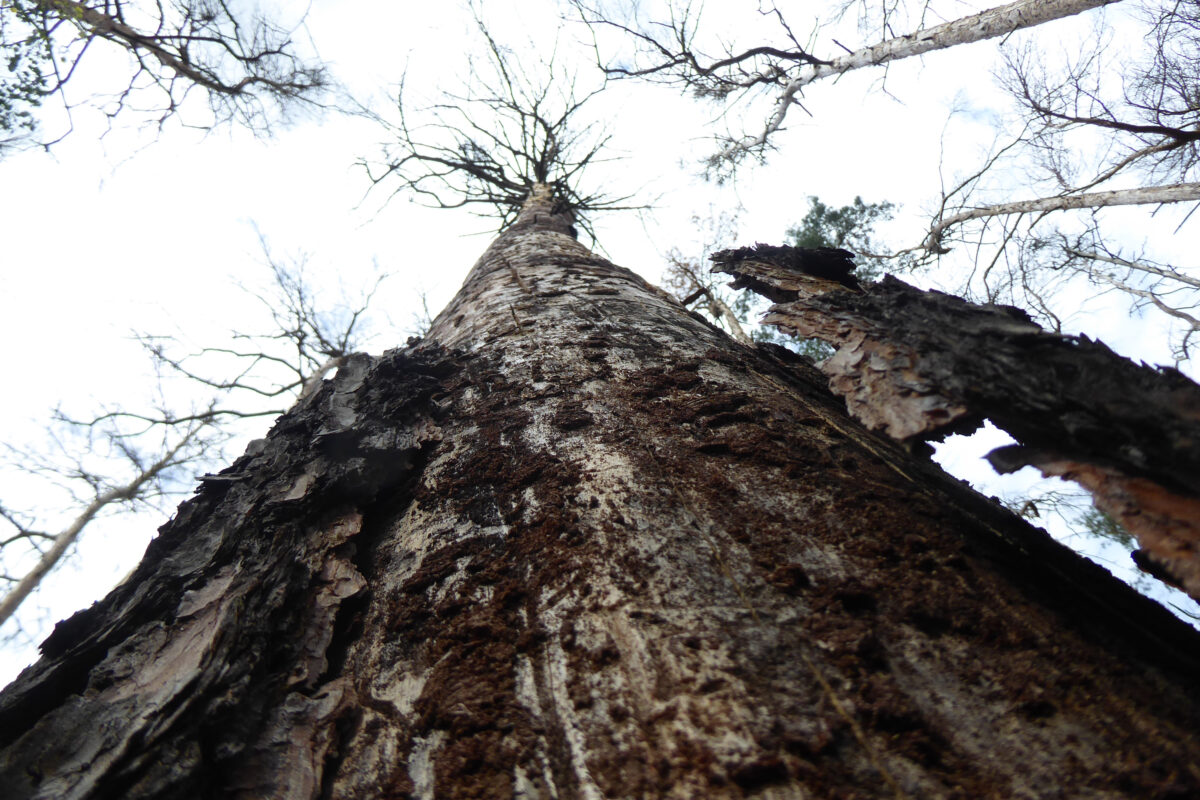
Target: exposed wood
(919, 365)
(578, 544)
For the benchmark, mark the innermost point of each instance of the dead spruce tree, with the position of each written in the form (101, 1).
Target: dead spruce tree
(578, 543)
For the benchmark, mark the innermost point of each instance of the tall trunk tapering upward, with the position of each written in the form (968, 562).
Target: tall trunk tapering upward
(576, 543)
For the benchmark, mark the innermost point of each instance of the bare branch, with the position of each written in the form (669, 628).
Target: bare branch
(307, 343)
(676, 60)
(1099, 116)
(694, 285)
(128, 492)
(304, 345)
(1149, 195)
(247, 67)
(1158, 302)
(1163, 272)
(488, 145)
(684, 276)
(989, 24)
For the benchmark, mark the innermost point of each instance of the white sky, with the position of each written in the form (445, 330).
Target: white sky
(104, 237)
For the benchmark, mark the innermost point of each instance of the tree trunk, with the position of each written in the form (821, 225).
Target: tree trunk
(579, 544)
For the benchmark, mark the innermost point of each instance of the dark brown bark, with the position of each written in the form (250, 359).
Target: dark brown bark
(919, 365)
(578, 543)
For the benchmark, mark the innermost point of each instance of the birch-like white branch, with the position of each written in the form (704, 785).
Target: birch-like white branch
(989, 24)
(1146, 195)
(118, 494)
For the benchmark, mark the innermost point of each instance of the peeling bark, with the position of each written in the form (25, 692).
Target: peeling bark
(918, 365)
(577, 543)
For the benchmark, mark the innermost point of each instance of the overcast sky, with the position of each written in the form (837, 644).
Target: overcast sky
(153, 233)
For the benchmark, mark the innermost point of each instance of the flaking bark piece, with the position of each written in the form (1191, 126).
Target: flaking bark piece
(919, 365)
(780, 272)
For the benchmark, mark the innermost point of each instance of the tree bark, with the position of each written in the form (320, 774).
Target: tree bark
(577, 543)
(919, 365)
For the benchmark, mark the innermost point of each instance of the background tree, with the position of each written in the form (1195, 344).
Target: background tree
(247, 66)
(1104, 128)
(692, 282)
(485, 147)
(27, 59)
(101, 468)
(122, 460)
(262, 374)
(670, 47)
(850, 228)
